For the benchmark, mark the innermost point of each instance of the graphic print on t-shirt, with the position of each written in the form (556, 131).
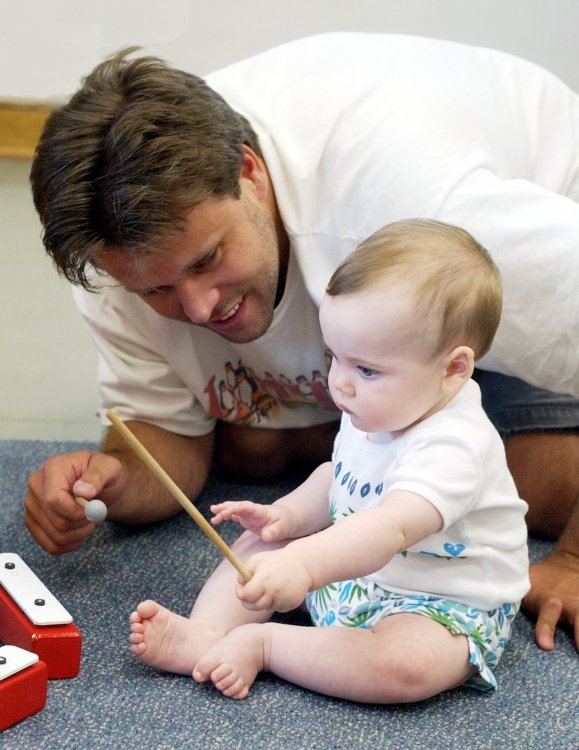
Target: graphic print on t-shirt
(244, 397)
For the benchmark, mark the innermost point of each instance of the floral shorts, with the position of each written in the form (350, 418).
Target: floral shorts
(363, 604)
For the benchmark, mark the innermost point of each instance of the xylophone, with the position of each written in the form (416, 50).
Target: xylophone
(39, 641)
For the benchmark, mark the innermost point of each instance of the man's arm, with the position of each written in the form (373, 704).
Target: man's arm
(143, 498)
(118, 477)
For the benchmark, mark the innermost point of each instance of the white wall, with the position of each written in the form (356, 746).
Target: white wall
(46, 46)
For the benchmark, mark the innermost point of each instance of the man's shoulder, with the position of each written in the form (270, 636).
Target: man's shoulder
(347, 48)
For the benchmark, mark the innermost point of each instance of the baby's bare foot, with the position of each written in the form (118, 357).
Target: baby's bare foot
(168, 641)
(233, 663)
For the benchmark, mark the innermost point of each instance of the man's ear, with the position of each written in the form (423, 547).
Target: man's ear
(459, 365)
(254, 170)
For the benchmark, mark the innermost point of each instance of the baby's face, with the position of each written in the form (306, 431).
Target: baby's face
(382, 373)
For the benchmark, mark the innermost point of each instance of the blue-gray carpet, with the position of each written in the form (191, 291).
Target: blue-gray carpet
(116, 702)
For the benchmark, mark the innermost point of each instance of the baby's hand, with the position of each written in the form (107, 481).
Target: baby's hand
(271, 523)
(279, 582)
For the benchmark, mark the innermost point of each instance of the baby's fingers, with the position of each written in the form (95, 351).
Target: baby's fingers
(221, 508)
(275, 531)
(226, 511)
(230, 507)
(219, 517)
(256, 600)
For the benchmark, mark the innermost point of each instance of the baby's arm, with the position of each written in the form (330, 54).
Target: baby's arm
(355, 546)
(303, 511)
(365, 541)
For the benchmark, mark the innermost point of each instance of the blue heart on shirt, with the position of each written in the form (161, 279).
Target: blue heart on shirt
(454, 549)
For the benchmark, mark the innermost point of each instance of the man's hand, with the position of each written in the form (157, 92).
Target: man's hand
(554, 596)
(119, 478)
(51, 514)
(279, 582)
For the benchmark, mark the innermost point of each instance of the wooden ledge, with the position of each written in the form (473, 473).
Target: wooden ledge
(20, 126)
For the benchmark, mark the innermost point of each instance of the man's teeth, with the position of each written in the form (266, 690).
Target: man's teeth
(231, 313)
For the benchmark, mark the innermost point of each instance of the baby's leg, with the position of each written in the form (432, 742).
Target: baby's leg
(171, 642)
(233, 662)
(168, 641)
(217, 602)
(405, 658)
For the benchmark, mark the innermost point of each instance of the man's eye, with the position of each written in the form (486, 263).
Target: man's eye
(206, 261)
(155, 292)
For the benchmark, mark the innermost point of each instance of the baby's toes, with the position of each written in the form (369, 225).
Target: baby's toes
(201, 673)
(224, 677)
(237, 691)
(137, 627)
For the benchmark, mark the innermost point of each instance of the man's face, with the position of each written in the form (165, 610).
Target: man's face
(221, 273)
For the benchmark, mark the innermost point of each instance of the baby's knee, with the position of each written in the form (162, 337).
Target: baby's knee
(401, 678)
(406, 672)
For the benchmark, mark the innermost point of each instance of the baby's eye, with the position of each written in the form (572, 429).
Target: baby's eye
(367, 372)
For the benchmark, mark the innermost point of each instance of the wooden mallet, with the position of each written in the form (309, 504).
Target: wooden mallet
(178, 494)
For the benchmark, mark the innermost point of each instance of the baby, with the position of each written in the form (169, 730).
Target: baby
(409, 548)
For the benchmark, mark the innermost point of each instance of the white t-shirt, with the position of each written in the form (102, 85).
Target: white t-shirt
(455, 459)
(359, 130)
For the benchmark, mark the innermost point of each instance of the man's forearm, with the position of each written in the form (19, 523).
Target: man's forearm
(569, 539)
(143, 498)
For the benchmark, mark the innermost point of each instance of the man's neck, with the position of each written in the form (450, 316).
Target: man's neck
(283, 247)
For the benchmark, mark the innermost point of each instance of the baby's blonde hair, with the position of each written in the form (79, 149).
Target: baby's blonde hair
(456, 284)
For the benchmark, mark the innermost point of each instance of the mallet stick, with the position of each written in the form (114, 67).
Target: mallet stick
(178, 494)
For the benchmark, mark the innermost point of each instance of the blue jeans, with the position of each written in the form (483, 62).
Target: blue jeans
(515, 407)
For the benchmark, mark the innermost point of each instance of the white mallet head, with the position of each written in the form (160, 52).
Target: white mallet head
(95, 511)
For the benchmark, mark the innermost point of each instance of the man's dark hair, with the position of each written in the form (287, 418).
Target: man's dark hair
(134, 150)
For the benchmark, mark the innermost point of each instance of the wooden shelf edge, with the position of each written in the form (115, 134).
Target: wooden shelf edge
(20, 126)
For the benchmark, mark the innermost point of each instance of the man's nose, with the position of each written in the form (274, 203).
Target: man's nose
(198, 300)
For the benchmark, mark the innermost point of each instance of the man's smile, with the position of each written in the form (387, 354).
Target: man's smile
(231, 312)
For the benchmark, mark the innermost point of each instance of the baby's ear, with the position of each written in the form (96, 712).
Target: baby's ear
(459, 368)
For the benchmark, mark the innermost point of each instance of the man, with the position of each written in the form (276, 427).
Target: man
(210, 233)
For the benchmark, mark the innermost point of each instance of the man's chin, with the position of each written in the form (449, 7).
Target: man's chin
(243, 334)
